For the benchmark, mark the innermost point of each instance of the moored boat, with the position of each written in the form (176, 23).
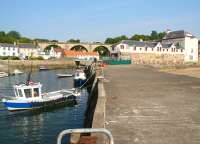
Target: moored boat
(3, 74)
(79, 78)
(17, 72)
(62, 75)
(29, 97)
(42, 68)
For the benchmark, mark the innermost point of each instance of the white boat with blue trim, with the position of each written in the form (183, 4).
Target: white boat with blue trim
(29, 97)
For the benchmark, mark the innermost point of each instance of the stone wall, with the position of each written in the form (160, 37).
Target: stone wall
(166, 59)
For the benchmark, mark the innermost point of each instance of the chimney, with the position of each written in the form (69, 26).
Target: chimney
(168, 31)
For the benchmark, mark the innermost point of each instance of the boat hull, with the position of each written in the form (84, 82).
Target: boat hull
(18, 106)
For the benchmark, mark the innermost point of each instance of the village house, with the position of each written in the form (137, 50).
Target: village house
(174, 43)
(52, 53)
(9, 49)
(28, 50)
(183, 40)
(89, 56)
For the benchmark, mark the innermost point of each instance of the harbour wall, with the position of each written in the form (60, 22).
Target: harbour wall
(162, 59)
(95, 112)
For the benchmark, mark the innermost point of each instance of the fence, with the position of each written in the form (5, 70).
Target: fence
(111, 61)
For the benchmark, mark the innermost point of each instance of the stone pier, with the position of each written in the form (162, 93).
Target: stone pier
(144, 106)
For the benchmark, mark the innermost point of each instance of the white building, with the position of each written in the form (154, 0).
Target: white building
(9, 49)
(177, 42)
(52, 53)
(185, 40)
(28, 50)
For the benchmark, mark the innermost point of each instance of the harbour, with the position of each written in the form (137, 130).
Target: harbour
(40, 126)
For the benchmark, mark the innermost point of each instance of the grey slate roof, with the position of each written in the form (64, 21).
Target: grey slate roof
(32, 46)
(139, 43)
(164, 45)
(7, 45)
(178, 34)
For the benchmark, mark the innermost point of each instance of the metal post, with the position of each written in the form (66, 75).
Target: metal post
(86, 130)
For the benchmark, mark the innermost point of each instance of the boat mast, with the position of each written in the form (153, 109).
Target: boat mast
(29, 75)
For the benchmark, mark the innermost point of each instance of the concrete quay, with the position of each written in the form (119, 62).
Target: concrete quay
(144, 106)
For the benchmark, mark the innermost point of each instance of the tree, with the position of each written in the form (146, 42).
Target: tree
(116, 39)
(103, 51)
(109, 41)
(161, 35)
(14, 34)
(48, 48)
(2, 34)
(74, 41)
(154, 35)
(25, 40)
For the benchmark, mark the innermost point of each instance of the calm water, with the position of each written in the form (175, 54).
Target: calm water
(39, 127)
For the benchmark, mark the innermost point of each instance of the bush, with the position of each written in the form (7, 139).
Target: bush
(36, 58)
(9, 57)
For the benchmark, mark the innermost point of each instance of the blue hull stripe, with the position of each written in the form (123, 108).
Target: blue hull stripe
(18, 105)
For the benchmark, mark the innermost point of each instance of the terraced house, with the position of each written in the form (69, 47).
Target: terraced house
(176, 46)
(9, 49)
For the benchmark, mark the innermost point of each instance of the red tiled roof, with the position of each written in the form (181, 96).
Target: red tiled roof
(71, 53)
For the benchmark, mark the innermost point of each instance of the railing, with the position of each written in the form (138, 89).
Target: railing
(86, 130)
(112, 61)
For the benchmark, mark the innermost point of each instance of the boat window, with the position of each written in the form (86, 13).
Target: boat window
(27, 93)
(20, 92)
(36, 92)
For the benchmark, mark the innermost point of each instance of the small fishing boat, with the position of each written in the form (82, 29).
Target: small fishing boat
(79, 78)
(3, 74)
(29, 96)
(17, 72)
(62, 75)
(42, 68)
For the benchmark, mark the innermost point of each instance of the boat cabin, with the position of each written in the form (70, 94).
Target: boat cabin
(32, 90)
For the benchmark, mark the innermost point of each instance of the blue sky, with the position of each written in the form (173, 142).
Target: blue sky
(95, 20)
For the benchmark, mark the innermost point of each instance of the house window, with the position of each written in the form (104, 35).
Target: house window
(176, 50)
(158, 49)
(145, 48)
(13, 54)
(181, 50)
(191, 57)
(13, 49)
(134, 48)
(121, 46)
(151, 49)
(140, 49)
(113, 48)
(4, 48)
(4, 53)
(163, 49)
(167, 50)
(8, 48)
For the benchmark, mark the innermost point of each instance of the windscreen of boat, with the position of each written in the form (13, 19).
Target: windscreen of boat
(36, 92)
(27, 93)
(20, 93)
